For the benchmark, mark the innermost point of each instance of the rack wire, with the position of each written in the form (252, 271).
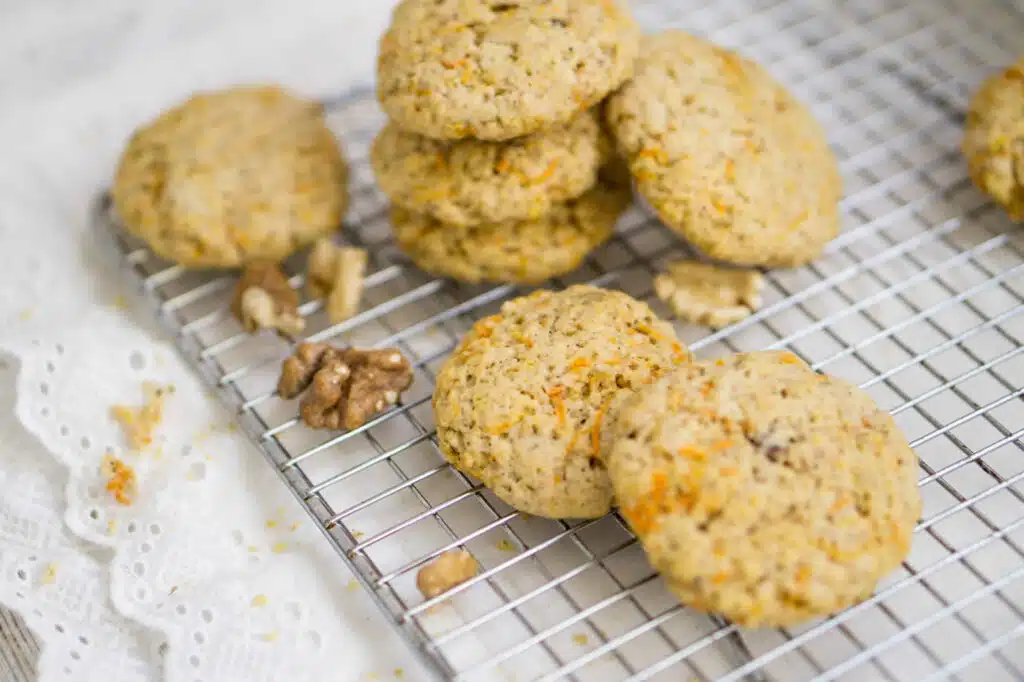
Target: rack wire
(919, 301)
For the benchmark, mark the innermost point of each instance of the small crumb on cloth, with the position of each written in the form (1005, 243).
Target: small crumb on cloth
(707, 294)
(121, 482)
(139, 424)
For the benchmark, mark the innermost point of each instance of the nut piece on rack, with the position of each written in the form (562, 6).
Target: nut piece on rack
(445, 572)
(264, 300)
(708, 294)
(345, 387)
(336, 273)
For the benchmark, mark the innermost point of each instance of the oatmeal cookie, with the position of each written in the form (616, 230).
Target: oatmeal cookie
(763, 491)
(452, 69)
(523, 402)
(994, 139)
(725, 155)
(526, 251)
(249, 173)
(471, 182)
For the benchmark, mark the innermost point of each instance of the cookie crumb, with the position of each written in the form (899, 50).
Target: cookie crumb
(49, 575)
(581, 640)
(399, 673)
(139, 423)
(269, 636)
(505, 545)
(352, 585)
(259, 601)
(445, 572)
(279, 547)
(111, 526)
(25, 314)
(264, 300)
(120, 477)
(120, 302)
(336, 273)
(709, 295)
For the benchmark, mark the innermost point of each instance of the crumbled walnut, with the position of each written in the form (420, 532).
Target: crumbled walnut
(445, 572)
(264, 300)
(139, 423)
(120, 479)
(336, 273)
(346, 386)
(708, 294)
(298, 370)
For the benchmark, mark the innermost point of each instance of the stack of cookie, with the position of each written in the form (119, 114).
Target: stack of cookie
(495, 157)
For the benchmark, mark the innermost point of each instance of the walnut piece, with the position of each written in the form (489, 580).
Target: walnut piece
(708, 294)
(336, 273)
(346, 387)
(139, 423)
(445, 572)
(264, 300)
(120, 479)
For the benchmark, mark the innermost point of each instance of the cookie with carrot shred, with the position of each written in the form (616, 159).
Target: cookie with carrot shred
(763, 491)
(524, 402)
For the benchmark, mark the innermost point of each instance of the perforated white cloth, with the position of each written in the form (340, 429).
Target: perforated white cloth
(210, 574)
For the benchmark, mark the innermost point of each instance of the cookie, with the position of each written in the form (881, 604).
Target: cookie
(523, 402)
(725, 155)
(709, 294)
(763, 491)
(229, 177)
(525, 252)
(472, 182)
(452, 69)
(994, 139)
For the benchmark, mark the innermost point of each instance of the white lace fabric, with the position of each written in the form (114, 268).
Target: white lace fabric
(212, 573)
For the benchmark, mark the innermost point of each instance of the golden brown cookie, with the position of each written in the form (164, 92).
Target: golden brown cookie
(452, 69)
(249, 173)
(523, 402)
(526, 251)
(470, 182)
(994, 139)
(763, 491)
(725, 155)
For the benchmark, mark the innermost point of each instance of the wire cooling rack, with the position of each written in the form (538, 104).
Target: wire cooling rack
(919, 301)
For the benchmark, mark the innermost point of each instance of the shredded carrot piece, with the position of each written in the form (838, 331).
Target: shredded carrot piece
(789, 359)
(729, 471)
(557, 478)
(647, 331)
(720, 577)
(556, 393)
(595, 433)
(548, 172)
(502, 165)
(803, 574)
(723, 444)
(572, 441)
(690, 452)
(579, 363)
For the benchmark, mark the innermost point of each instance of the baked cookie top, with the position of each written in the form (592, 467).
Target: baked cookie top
(764, 491)
(725, 155)
(471, 182)
(994, 139)
(452, 69)
(523, 402)
(248, 173)
(525, 251)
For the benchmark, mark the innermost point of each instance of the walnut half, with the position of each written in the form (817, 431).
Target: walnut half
(344, 387)
(445, 572)
(336, 274)
(264, 300)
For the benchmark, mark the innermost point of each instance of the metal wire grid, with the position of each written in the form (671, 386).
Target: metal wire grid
(920, 301)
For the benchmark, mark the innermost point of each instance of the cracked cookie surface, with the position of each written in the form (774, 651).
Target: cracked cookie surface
(471, 182)
(523, 402)
(525, 251)
(994, 139)
(725, 155)
(452, 69)
(228, 177)
(763, 491)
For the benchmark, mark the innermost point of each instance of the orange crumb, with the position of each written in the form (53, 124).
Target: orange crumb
(690, 452)
(720, 577)
(723, 444)
(121, 481)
